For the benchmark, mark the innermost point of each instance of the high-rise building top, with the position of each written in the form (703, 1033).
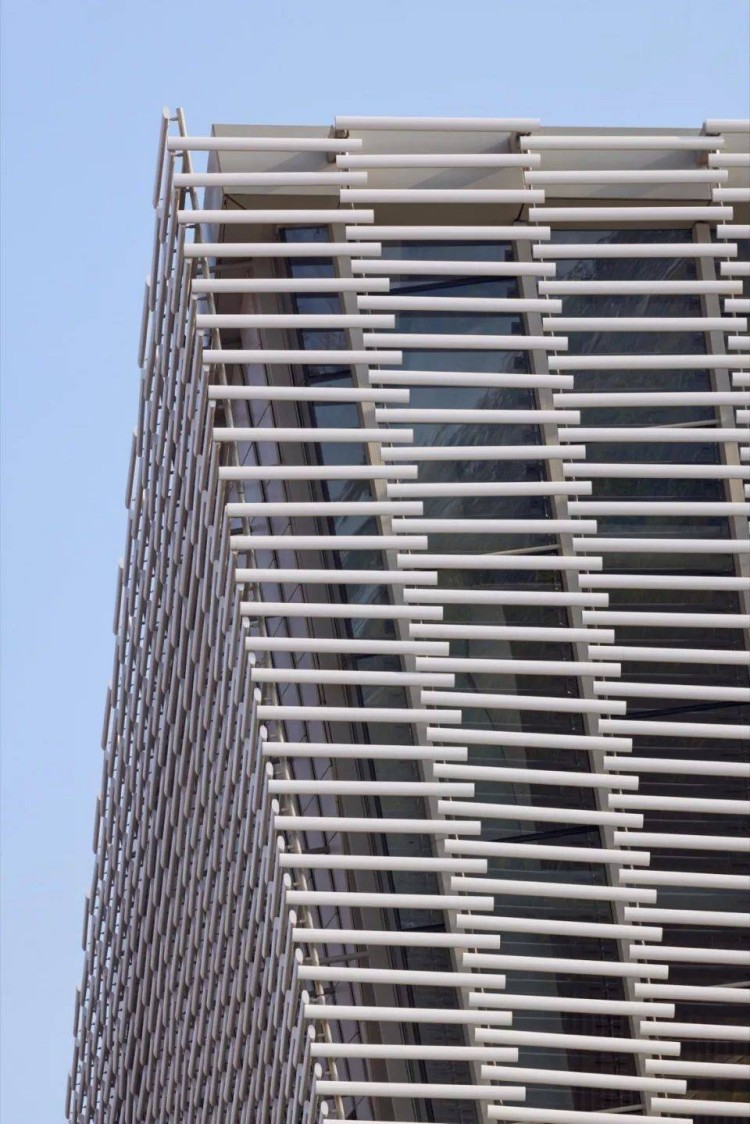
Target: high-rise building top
(424, 793)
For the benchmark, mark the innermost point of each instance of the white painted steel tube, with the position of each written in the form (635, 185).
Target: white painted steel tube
(659, 581)
(397, 1051)
(682, 767)
(621, 176)
(293, 320)
(642, 323)
(532, 813)
(519, 667)
(328, 542)
(509, 632)
(458, 304)
(306, 394)
(241, 143)
(336, 577)
(439, 160)
(555, 704)
(668, 620)
(708, 1031)
(556, 777)
(621, 142)
(277, 216)
(693, 994)
(355, 714)
(318, 472)
(636, 288)
(487, 453)
(365, 751)
(675, 841)
(720, 1108)
(661, 546)
(558, 964)
(498, 924)
(727, 1071)
(539, 889)
(709, 917)
(531, 740)
(293, 861)
(326, 611)
(454, 268)
(339, 646)
(282, 249)
(376, 826)
(422, 233)
(690, 214)
(583, 1079)
(498, 562)
(538, 925)
(495, 526)
(662, 471)
(415, 1089)
(634, 362)
(454, 196)
(698, 435)
(689, 955)
(305, 356)
(275, 179)
(600, 1043)
(322, 508)
(685, 878)
(314, 787)
(511, 1002)
(629, 727)
(468, 378)
(369, 678)
(334, 1012)
(589, 250)
(670, 655)
(545, 851)
(440, 341)
(409, 977)
(382, 901)
(564, 1116)
(651, 507)
(442, 124)
(501, 597)
(290, 285)
(398, 938)
(640, 398)
(502, 488)
(448, 416)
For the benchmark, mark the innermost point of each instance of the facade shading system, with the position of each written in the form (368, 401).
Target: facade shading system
(425, 778)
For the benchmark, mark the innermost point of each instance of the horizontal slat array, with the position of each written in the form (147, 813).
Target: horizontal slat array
(423, 769)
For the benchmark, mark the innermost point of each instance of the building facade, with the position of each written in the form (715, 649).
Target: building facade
(424, 791)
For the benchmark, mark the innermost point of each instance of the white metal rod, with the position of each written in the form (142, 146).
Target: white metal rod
(306, 394)
(501, 597)
(241, 143)
(636, 288)
(518, 667)
(674, 841)
(503, 775)
(290, 285)
(692, 214)
(399, 938)
(278, 216)
(456, 196)
(621, 142)
(559, 964)
(293, 861)
(376, 826)
(365, 751)
(555, 704)
(334, 1012)
(327, 542)
(305, 356)
(441, 124)
(274, 435)
(330, 179)
(479, 999)
(671, 655)
(669, 765)
(545, 851)
(606, 930)
(502, 488)
(454, 268)
(458, 304)
(619, 175)
(336, 577)
(422, 233)
(583, 1079)
(468, 378)
(600, 1043)
(533, 813)
(440, 160)
(663, 471)
(457, 416)
(323, 508)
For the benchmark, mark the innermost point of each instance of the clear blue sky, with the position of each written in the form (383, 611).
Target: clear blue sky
(84, 83)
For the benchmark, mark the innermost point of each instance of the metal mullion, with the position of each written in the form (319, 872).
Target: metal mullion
(538, 360)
